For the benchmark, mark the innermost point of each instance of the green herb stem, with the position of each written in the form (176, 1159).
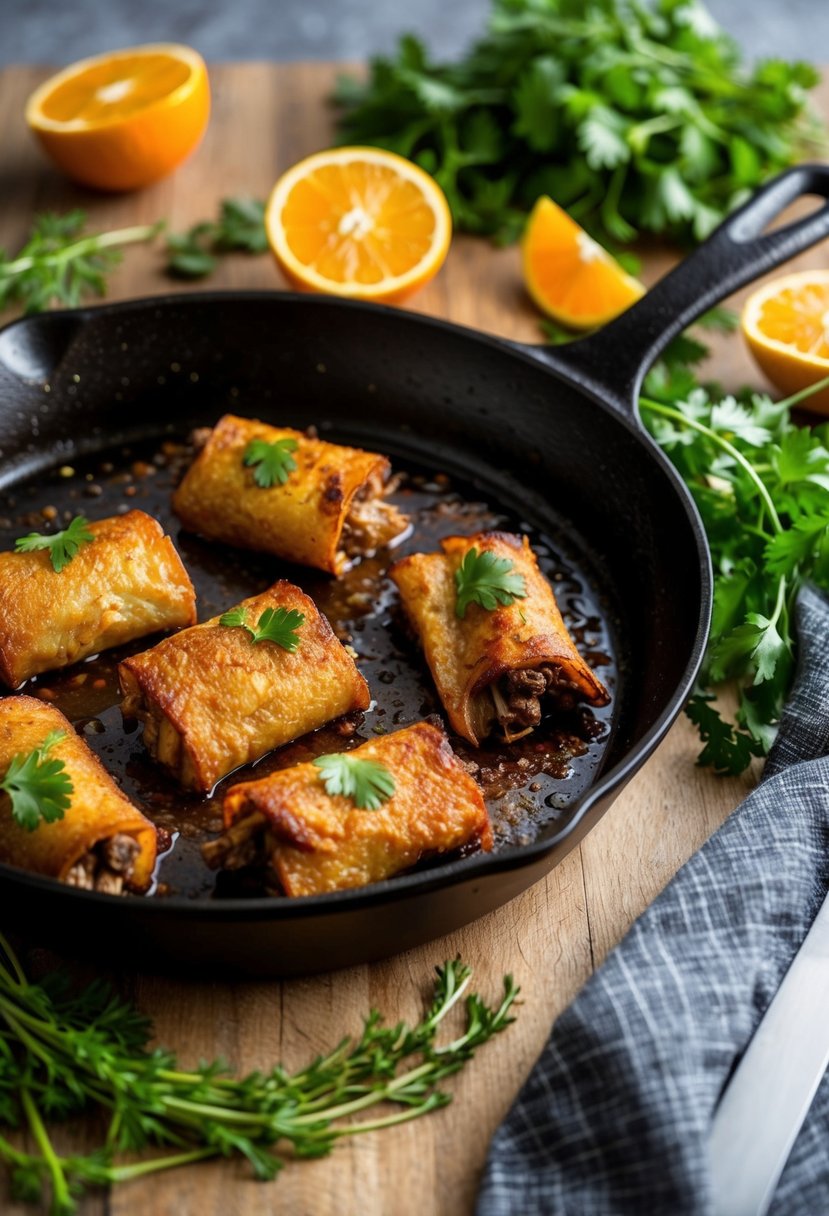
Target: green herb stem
(82, 248)
(667, 411)
(61, 1196)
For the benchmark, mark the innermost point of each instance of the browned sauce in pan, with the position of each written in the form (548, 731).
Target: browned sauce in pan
(526, 785)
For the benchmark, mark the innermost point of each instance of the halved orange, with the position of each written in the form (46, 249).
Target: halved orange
(786, 326)
(122, 120)
(359, 222)
(571, 277)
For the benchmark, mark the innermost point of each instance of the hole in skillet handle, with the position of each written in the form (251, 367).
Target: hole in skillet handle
(611, 364)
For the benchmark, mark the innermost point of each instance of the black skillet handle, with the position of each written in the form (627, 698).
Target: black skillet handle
(612, 363)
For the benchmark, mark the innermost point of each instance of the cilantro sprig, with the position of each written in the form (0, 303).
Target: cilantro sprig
(367, 783)
(62, 546)
(760, 482)
(83, 1053)
(278, 625)
(40, 789)
(60, 263)
(240, 227)
(634, 117)
(487, 580)
(272, 463)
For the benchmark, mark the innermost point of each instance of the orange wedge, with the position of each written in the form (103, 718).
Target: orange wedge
(569, 276)
(359, 222)
(786, 326)
(124, 119)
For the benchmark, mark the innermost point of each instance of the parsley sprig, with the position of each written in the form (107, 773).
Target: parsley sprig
(62, 264)
(272, 463)
(487, 580)
(69, 1053)
(40, 789)
(62, 546)
(634, 117)
(240, 227)
(278, 625)
(366, 782)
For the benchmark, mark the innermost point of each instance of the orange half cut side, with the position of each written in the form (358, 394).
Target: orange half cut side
(359, 222)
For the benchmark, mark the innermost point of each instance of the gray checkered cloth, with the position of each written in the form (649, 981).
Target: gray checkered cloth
(615, 1116)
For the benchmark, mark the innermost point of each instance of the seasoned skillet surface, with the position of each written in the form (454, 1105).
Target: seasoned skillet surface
(526, 786)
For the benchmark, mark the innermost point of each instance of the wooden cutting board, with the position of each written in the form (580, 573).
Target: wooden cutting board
(265, 117)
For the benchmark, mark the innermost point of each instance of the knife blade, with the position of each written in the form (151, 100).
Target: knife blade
(769, 1095)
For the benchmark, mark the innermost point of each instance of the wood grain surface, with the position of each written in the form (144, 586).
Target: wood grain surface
(265, 117)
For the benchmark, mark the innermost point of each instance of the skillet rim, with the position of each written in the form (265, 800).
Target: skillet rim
(448, 874)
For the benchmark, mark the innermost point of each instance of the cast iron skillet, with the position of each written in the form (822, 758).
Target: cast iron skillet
(539, 429)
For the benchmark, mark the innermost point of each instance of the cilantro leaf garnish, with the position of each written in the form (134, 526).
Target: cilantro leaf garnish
(62, 546)
(277, 625)
(367, 783)
(487, 580)
(40, 789)
(272, 462)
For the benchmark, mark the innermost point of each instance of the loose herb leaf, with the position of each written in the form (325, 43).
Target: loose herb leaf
(633, 117)
(240, 227)
(85, 1054)
(272, 462)
(61, 264)
(367, 783)
(62, 546)
(278, 625)
(40, 789)
(487, 580)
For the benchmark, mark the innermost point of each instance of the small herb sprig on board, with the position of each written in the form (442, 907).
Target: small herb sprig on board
(240, 227)
(367, 783)
(39, 788)
(66, 1054)
(635, 117)
(277, 625)
(62, 546)
(62, 264)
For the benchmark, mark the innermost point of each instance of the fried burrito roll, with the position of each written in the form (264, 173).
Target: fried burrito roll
(216, 696)
(314, 841)
(494, 669)
(280, 491)
(125, 583)
(102, 842)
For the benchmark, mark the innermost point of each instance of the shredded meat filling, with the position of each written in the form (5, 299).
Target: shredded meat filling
(371, 522)
(518, 697)
(107, 866)
(241, 845)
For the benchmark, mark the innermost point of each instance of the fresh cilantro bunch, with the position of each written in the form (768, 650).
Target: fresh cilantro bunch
(761, 484)
(634, 116)
(67, 1053)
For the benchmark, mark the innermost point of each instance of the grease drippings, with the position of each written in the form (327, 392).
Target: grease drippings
(525, 786)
